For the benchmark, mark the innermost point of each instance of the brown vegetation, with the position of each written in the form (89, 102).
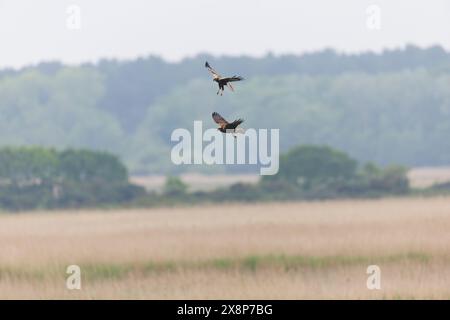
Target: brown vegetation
(293, 250)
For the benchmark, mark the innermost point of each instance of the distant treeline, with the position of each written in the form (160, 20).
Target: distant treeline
(306, 173)
(34, 177)
(39, 178)
(391, 107)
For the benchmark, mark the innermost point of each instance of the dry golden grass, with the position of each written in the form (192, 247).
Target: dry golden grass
(293, 250)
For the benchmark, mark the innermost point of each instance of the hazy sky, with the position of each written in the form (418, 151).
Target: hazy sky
(32, 31)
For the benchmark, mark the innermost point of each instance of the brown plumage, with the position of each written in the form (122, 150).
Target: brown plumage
(224, 125)
(222, 81)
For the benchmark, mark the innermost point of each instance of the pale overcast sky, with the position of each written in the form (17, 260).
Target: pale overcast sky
(32, 31)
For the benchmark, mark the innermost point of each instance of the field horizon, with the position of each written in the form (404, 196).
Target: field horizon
(419, 178)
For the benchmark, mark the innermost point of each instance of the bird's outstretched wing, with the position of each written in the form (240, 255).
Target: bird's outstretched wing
(233, 78)
(213, 72)
(219, 119)
(235, 123)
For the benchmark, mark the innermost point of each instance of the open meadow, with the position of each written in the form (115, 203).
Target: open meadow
(254, 251)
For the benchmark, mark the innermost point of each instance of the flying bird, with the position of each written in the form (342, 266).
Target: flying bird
(224, 125)
(221, 81)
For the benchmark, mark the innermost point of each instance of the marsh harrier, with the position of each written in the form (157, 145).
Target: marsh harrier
(222, 81)
(225, 126)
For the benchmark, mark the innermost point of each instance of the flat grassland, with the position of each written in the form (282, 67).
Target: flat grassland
(300, 250)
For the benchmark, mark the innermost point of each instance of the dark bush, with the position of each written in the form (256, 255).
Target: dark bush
(33, 177)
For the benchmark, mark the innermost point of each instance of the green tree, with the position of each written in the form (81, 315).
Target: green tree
(311, 165)
(28, 165)
(36, 177)
(174, 186)
(91, 166)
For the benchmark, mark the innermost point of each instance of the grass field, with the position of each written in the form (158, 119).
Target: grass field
(294, 250)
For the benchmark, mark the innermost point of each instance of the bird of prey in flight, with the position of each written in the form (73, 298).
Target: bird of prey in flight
(225, 126)
(222, 81)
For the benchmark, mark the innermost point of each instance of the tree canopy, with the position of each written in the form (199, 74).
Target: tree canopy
(36, 177)
(391, 107)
